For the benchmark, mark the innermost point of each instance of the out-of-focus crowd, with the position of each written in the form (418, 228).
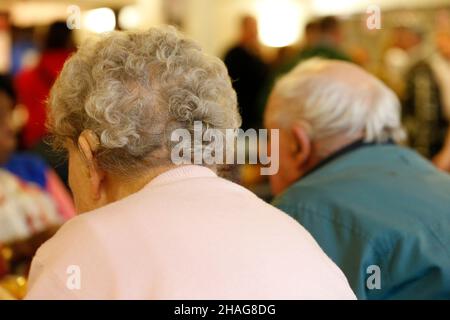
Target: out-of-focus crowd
(34, 196)
(417, 71)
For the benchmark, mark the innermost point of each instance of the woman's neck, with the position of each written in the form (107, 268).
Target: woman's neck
(119, 187)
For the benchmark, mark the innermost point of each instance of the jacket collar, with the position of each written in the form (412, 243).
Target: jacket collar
(343, 151)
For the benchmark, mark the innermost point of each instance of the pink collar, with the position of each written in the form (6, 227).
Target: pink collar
(181, 173)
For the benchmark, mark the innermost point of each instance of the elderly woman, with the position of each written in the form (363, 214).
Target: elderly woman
(156, 230)
(378, 209)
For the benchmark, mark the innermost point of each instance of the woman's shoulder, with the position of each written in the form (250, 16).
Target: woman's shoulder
(76, 237)
(85, 232)
(75, 250)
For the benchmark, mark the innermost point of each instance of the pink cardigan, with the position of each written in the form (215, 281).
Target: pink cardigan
(188, 234)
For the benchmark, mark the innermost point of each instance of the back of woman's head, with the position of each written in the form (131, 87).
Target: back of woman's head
(132, 89)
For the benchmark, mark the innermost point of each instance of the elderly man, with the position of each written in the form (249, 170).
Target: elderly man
(380, 211)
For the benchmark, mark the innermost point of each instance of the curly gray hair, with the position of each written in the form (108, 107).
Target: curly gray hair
(133, 89)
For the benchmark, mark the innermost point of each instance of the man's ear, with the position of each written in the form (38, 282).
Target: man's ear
(302, 145)
(88, 144)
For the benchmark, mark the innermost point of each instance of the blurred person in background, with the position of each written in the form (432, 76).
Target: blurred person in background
(248, 72)
(32, 197)
(323, 39)
(25, 174)
(426, 108)
(33, 201)
(25, 51)
(33, 85)
(370, 203)
(330, 41)
(405, 51)
(148, 228)
(312, 35)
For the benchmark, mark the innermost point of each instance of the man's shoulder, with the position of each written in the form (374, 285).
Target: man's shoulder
(393, 198)
(372, 178)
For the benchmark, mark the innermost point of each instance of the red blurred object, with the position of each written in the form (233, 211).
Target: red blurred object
(33, 87)
(4, 21)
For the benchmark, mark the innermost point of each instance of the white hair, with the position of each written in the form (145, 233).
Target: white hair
(132, 89)
(330, 98)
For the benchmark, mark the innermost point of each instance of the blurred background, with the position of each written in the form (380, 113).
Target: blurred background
(406, 43)
(214, 23)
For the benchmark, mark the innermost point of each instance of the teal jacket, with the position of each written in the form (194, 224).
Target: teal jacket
(379, 206)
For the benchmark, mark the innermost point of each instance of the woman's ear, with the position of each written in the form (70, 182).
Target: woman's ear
(302, 143)
(88, 144)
